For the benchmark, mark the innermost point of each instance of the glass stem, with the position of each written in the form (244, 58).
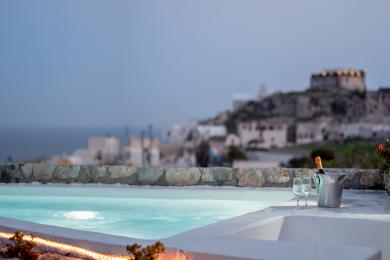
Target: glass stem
(306, 201)
(297, 202)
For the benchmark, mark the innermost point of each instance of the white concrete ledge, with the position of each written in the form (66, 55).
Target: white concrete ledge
(250, 237)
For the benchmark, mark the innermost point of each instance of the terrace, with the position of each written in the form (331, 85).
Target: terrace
(257, 230)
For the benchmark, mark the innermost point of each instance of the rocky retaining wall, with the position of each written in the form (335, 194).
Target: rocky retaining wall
(268, 177)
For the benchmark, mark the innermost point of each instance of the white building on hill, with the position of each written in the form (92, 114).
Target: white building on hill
(144, 152)
(178, 132)
(210, 131)
(106, 146)
(100, 150)
(264, 134)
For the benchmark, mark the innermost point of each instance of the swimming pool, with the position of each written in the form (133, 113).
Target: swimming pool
(137, 212)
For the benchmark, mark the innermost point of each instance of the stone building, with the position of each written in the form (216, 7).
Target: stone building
(348, 79)
(265, 133)
(339, 94)
(312, 131)
(378, 106)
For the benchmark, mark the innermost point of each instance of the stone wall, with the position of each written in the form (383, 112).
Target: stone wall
(268, 177)
(386, 179)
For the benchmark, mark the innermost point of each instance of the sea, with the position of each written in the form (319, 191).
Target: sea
(20, 144)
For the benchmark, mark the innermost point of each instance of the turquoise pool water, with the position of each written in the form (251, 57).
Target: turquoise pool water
(133, 212)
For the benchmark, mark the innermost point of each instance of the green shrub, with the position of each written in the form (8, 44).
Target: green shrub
(353, 152)
(21, 249)
(150, 252)
(300, 162)
(235, 153)
(384, 155)
(326, 154)
(353, 139)
(202, 154)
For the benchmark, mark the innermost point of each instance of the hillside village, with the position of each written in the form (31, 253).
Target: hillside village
(335, 106)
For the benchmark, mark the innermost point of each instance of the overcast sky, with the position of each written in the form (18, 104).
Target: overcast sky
(115, 63)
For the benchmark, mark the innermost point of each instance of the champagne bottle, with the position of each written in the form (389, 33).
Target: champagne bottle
(318, 161)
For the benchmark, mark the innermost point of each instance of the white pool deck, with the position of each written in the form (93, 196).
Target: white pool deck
(360, 229)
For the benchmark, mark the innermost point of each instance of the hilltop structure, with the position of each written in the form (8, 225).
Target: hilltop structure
(349, 79)
(336, 105)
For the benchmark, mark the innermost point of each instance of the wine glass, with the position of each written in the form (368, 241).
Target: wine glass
(306, 181)
(297, 189)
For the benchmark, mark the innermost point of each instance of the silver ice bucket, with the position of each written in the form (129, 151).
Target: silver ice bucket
(329, 187)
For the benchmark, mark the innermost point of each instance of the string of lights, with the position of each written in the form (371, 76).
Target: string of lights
(66, 247)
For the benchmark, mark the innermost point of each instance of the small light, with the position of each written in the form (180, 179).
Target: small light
(323, 73)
